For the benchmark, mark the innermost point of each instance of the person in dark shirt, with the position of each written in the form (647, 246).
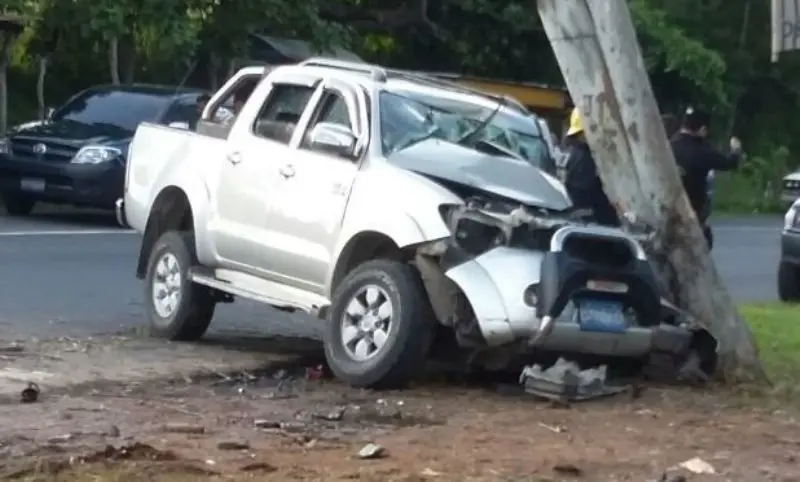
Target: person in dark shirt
(200, 104)
(696, 158)
(581, 179)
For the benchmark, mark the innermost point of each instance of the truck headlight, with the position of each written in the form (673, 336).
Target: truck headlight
(472, 232)
(96, 155)
(5, 146)
(790, 218)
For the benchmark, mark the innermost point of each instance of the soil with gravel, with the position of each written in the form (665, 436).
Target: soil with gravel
(290, 422)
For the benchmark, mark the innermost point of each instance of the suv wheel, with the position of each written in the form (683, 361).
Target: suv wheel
(177, 308)
(380, 326)
(788, 285)
(18, 204)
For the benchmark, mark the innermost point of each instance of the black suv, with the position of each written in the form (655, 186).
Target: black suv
(77, 156)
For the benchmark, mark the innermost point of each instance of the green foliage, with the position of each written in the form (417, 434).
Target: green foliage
(713, 52)
(755, 187)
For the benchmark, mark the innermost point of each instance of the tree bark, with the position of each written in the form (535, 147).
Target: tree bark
(113, 59)
(213, 69)
(40, 98)
(597, 50)
(5, 48)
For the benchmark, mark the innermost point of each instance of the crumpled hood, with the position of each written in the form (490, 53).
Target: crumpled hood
(503, 176)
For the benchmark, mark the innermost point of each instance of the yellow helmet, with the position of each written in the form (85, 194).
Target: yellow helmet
(575, 123)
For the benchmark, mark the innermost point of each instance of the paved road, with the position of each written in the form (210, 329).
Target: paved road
(69, 273)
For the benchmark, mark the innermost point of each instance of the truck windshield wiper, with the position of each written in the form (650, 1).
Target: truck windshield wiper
(469, 136)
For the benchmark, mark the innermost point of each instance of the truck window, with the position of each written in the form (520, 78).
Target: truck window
(331, 108)
(281, 112)
(182, 110)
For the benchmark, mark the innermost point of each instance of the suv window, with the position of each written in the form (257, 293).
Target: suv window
(281, 112)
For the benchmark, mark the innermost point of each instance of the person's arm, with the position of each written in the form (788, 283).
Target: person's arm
(712, 159)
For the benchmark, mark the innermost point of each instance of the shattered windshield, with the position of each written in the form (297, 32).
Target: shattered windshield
(408, 118)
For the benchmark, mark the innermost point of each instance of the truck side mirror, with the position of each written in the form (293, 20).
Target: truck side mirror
(333, 139)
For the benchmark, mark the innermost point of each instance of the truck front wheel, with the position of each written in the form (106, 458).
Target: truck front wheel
(177, 308)
(380, 326)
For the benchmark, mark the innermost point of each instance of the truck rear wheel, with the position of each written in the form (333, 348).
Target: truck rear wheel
(380, 326)
(177, 308)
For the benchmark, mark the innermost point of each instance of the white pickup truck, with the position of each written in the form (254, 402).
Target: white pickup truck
(400, 208)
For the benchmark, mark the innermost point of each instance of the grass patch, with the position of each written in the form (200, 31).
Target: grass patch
(777, 331)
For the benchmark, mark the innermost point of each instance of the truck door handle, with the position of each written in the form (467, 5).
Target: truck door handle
(235, 158)
(287, 171)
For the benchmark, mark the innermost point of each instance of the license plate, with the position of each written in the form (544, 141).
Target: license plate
(601, 316)
(607, 286)
(31, 184)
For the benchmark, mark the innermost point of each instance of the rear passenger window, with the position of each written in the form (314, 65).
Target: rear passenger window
(281, 112)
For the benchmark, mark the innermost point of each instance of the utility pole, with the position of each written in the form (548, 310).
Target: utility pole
(597, 50)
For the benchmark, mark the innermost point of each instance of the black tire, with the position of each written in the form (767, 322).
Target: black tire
(788, 282)
(18, 204)
(410, 331)
(195, 307)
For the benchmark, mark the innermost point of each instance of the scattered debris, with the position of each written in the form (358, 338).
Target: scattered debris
(113, 431)
(232, 445)
(135, 451)
(371, 451)
(12, 348)
(264, 423)
(666, 477)
(428, 472)
(553, 428)
(262, 467)
(567, 469)
(565, 382)
(332, 416)
(30, 394)
(315, 372)
(697, 465)
(183, 428)
(61, 438)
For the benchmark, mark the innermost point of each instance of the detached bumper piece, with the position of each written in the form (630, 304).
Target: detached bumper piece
(565, 382)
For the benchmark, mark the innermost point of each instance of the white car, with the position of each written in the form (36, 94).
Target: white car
(790, 187)
(401, 209)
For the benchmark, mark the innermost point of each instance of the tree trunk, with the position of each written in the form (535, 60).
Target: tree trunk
(213, 69)
(5, 48)
(113, 59)
(597, 50)
(42, 104)
(231, 68)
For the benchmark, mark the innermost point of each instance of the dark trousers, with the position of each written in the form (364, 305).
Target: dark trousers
(596, 200)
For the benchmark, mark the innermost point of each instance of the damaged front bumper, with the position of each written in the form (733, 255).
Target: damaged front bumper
(527, 295)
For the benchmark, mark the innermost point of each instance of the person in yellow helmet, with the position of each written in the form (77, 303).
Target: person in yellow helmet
(581, 179)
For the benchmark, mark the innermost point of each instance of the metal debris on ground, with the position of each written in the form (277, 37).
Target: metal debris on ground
(30, 394)
(371, 451)
(565, 382)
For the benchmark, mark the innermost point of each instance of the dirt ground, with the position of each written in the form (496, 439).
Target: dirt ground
(288, 423)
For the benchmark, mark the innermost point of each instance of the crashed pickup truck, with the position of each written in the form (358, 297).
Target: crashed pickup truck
(405, 211)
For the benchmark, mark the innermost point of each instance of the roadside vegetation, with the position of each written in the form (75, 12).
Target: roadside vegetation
(714, 54)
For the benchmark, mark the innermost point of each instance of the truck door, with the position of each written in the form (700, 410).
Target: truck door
(258, 143)
(313, 189)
